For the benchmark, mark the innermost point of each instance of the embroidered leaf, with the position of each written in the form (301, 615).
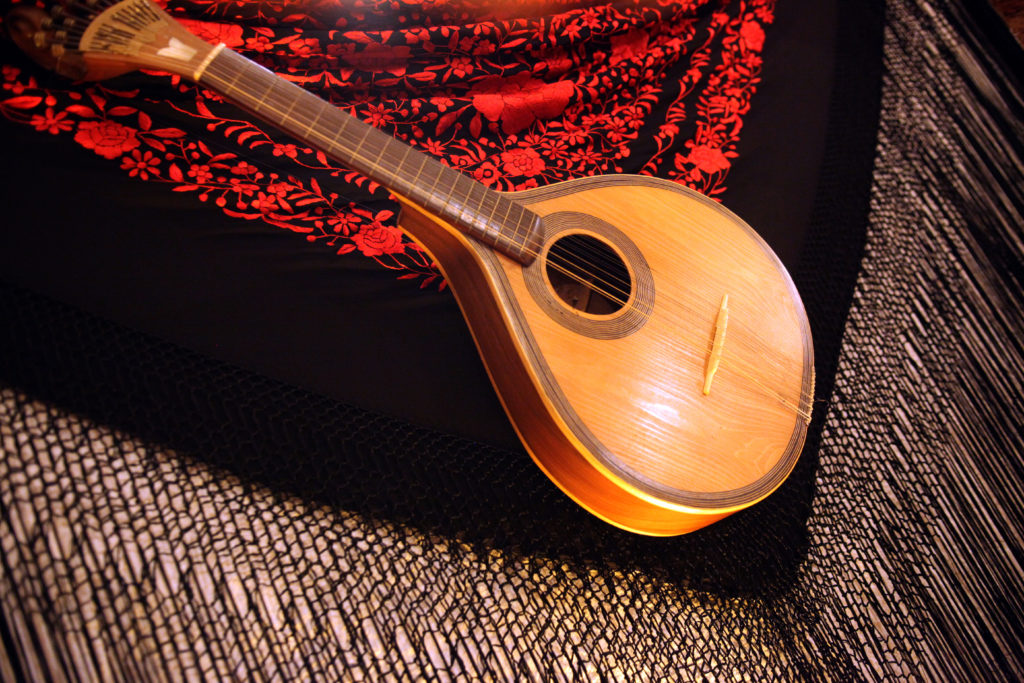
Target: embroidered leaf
(22, 102)
(168, 132)
(203, 110)
(96, 99)
(248, 135)
(446, 121)
(81, 110)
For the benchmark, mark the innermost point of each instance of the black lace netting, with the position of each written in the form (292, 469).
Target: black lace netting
(288, 535)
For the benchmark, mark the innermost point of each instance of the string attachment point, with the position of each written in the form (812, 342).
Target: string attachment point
(715, 357)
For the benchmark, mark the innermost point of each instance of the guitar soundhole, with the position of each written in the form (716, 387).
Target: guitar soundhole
(588, 275)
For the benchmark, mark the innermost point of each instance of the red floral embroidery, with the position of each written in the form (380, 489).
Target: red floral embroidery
(520, 100)
(523, 161)
(514, 95)
(141, 164)
(628, 46)
(215, 32)
(52, 122)
(107, 138)
(752, 35)
(377, 239)
(704, 159)
(376, 57)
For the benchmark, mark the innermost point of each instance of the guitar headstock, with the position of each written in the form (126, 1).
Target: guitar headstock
(97, 39)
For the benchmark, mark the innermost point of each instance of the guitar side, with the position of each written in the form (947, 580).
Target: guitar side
(613, 410)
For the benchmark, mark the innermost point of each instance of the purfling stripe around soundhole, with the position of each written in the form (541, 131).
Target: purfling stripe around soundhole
(637, 308)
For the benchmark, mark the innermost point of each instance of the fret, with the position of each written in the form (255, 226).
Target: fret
(362, 139)
(440, 170)
(291, 108)
(418, 194)
(382, 149)
(466, 204)
(399, 168)
(312, 124)
(504, 221)
(261, 100)
(481, 215)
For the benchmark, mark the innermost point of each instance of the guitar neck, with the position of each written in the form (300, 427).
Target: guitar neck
(481, 213)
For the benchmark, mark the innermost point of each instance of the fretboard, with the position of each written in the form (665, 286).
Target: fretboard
(485, 215)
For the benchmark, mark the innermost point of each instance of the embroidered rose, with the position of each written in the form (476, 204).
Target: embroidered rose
(708, 159)
(752, 35)
(107, 138)
(521, 161)
(520, 100)
(452, 106)
(377, 239)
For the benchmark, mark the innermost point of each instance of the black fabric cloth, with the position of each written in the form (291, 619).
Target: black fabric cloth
(293, 534)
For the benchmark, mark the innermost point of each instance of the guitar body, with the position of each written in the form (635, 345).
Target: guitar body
(648, 346)
(611, 406)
